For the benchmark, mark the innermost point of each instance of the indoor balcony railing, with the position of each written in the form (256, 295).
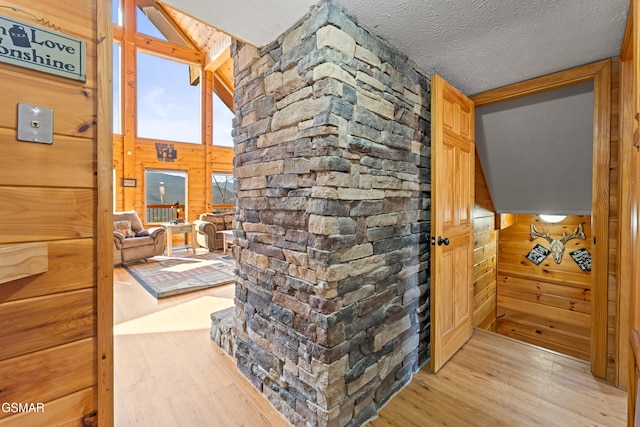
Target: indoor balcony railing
(164, 213)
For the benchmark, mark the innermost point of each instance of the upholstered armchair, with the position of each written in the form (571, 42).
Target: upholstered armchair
(133, 243)
(207, 229)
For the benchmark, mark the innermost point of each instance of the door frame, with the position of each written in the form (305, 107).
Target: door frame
(104, 210)
(600, 74)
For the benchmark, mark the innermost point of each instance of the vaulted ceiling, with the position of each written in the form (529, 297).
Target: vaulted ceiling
(477, 45)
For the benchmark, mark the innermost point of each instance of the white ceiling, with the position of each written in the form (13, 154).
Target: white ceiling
(476, 45)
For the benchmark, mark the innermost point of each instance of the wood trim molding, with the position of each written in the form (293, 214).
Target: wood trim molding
(600, 73)
(104, 255)
(600, 218)
(540, 84)
(625, 244)
(626, 49)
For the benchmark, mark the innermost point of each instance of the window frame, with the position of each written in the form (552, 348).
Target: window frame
(184, 203)
(214, 186)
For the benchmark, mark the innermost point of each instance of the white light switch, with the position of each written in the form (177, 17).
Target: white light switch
(35, 124)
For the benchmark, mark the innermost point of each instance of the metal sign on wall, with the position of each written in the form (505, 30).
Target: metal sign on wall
(37, 48)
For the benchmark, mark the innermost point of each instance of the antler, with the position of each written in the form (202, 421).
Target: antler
(578, 233)
(535, 233)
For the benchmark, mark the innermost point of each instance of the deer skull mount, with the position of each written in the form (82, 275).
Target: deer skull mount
(557, 245)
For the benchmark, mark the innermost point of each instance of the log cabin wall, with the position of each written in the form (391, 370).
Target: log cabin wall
(485, 257)
(49, 339)
(547, 304)
(199, 161)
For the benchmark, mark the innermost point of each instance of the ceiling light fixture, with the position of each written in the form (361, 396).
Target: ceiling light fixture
(552, 219)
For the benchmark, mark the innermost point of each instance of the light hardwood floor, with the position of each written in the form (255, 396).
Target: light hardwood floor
(169, 373)
(497, 381)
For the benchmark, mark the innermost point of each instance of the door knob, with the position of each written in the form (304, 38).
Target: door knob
(441, 241)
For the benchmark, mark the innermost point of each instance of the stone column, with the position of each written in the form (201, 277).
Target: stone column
(333, 194)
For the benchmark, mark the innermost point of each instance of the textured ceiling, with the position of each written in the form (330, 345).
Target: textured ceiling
(476, 45)
(479, 45)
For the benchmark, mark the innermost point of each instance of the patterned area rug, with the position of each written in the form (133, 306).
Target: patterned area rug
(167, 276)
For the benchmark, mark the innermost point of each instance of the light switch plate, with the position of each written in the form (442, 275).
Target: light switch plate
(35, 124)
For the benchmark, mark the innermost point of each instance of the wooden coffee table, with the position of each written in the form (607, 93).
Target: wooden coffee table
(227, 239)
(186, 228)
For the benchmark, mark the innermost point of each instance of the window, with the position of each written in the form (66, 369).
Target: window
(165, 195)
(144, 25)
(117, 99)
(222, 189)
(151, 21)
(222, 123)
(168, 106)
(116, 11)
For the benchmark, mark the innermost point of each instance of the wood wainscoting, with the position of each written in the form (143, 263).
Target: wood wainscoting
(547, 304)
(485, 255)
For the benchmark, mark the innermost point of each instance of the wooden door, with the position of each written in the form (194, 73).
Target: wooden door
(452, 193)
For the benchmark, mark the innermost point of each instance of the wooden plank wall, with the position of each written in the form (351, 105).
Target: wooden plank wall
(549, 304)
(198, 160)
(484, 255)
(613, 281)
(48, 193)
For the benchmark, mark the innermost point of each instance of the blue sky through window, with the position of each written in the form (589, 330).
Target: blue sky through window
(168, 107)
(145, 26)
(115, 10)
(222, 123)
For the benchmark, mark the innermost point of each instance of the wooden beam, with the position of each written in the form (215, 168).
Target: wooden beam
(104, 235)
(168, 49)
(128, 84)
(194, 75)
(225, 93)
(207, 118)
(185, 36)
(215, 63)
(118, 33)
(219, 52)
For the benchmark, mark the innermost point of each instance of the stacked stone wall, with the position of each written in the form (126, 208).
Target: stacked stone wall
(333, 196)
